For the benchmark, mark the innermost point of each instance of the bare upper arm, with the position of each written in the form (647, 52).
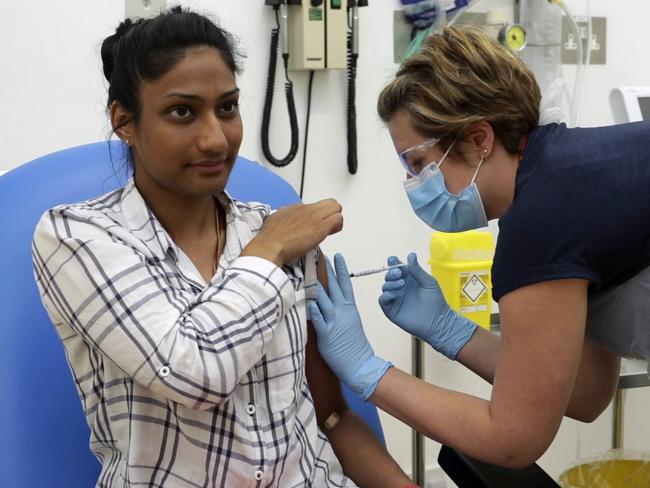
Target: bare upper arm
(542, 338)
(325, 387)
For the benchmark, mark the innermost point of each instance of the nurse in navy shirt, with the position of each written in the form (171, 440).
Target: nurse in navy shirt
(570, 272)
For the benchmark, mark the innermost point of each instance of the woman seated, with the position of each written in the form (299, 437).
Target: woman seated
(182, 310)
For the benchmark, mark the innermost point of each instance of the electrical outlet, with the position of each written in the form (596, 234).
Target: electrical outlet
(143, 8)
(569, 54)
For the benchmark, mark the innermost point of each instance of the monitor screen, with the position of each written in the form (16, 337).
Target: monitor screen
(644, 105)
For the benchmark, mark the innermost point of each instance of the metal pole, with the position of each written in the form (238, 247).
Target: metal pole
(617, 437)
(417, 362)
(517, 11)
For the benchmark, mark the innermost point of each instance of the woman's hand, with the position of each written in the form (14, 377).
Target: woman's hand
(294, 230)
(340, 337)
(411, 298)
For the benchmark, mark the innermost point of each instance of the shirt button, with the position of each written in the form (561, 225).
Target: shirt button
(164, 371)
(250, 409)
(259, 474)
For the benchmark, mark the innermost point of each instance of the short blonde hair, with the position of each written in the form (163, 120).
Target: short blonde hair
(462, 76)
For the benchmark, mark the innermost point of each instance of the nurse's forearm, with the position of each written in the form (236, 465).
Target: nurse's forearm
(481, 353)
(464, 422)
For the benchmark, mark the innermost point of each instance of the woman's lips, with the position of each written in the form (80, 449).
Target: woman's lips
(209, 166)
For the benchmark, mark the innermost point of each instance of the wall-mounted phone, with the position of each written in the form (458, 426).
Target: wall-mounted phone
(317, 32)
(313, 35)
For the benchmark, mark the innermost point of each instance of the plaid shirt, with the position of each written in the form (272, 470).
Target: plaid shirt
(184, 384)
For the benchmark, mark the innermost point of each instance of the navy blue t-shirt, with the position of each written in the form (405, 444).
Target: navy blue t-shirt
(581, 208)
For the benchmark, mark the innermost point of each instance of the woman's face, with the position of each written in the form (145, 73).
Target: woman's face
(405, 136)
(187, 136)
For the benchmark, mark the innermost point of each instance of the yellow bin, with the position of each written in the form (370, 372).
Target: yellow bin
(608, 473)
(462, 264)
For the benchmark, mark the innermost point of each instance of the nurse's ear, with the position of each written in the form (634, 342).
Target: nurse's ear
(478, 141)
(121, 122)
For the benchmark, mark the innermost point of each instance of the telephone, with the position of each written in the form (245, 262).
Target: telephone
(317, 32)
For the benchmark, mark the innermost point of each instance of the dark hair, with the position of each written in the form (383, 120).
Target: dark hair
(146, 49)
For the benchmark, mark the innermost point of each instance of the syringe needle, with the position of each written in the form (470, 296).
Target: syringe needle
(376, 270)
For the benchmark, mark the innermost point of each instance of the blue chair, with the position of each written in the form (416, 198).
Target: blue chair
(43, 432)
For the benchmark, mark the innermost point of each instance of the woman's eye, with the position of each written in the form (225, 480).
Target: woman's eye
(181, 112)
(230, 107)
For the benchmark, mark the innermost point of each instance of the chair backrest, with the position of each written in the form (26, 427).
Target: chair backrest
(43, 433)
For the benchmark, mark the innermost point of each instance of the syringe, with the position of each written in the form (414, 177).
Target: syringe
(376, 270)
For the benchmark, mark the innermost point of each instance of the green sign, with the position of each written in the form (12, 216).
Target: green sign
(315, 14)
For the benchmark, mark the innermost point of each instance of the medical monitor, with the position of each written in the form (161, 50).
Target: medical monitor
(630, 103)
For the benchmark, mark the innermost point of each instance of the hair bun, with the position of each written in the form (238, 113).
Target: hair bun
(109, 47)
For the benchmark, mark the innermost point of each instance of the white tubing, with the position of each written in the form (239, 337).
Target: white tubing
(460, 11)
(441, 17)
(579, 63)
(585, 68)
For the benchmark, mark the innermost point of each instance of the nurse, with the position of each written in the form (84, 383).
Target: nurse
(570, 271)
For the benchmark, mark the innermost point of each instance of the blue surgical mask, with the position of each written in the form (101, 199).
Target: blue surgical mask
(440, 209)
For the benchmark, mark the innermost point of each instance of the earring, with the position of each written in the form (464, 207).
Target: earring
(127, 141)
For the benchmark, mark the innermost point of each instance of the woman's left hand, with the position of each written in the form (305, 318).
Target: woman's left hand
(340, 337)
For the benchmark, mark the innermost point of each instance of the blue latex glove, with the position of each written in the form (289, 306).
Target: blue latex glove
(412, 299)
(340, 337)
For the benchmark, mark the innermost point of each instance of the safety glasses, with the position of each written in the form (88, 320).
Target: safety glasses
(416, 158)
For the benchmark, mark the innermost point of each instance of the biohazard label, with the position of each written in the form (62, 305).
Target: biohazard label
(473, 287)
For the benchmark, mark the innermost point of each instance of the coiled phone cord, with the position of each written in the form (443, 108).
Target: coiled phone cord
(268, 103)
(352, 108)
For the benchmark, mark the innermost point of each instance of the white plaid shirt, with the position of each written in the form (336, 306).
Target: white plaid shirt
(184, 384)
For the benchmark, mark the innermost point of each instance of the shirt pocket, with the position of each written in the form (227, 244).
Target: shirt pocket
(284, 364)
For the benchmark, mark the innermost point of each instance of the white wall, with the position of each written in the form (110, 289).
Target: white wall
(53, 93)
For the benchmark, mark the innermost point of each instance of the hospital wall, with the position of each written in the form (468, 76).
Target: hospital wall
(53, 95)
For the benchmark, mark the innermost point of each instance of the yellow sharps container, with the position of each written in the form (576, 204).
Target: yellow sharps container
(462, 263)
